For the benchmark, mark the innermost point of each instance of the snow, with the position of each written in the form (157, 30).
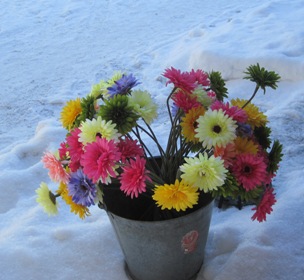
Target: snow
(53, 51)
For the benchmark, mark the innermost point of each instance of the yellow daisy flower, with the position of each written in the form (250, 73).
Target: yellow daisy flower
(245, 145)
(70, 112)
(215, 129)
(179, 196)
(91, 128)
(203, 172)
(189, 123)
(80, 210)
(47, 199)
(255, 117)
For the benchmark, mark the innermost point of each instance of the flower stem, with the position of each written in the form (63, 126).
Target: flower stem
(253, 95)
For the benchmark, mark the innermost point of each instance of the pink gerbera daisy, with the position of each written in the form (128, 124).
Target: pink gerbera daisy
(185, 101)
(75, 149)
(265, 206)
(200, 77)
(129, 148)
(56, 171)
(181, 80)
(249, 170)
(234, 112)
(134, 177)
(99, 160)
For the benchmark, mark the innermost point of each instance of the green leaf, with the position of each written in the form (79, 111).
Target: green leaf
(87, 109)
(275, 156)
(217, 84)
(262, 135)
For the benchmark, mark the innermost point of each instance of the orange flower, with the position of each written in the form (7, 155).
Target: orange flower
(226, 153)
(189, 123)
(245, 145)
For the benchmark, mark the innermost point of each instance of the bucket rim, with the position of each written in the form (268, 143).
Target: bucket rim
(209, 204)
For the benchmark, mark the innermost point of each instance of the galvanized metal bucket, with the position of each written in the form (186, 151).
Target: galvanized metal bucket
(166, 250)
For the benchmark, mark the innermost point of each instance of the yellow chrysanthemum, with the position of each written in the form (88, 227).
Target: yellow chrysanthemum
(255, 117)
(91, 128)
(203, 172)
(80, 210)
(70, 112)
(245, 145)
(47, 199)
(189, 123)
(143, 105)
(178, 196)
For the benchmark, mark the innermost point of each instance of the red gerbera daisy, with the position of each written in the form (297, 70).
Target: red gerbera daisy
(249, 170)
(185, 101)
(63, 151)
(75, 149)
(129, 149)
(134, 177)
(99, 160)
(265, 206)
(181, 80)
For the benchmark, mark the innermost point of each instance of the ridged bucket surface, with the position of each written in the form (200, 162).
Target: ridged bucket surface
(165, 250)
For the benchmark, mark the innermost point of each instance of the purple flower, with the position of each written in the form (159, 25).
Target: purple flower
(82, 189)
(123, 85)
(244, 130)
(174, 109)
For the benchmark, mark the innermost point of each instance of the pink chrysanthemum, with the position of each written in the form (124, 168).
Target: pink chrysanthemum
(99, 160)
(75, 149)
(249, 170)
(234, 112)
(185, 101)
(134, 177)
(56, 171)
(129, 149)
(200, 77)
(265, 206)
(181, 80)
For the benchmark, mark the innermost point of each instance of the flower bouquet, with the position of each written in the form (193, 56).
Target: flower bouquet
(214, 148)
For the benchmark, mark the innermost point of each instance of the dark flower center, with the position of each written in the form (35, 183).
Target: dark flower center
(217, 129)
(98, 135)
(247, 169)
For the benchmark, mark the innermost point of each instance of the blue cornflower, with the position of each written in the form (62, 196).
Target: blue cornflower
(82, 189)
(123, 85)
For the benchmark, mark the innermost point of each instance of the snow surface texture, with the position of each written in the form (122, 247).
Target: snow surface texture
(53, 51)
